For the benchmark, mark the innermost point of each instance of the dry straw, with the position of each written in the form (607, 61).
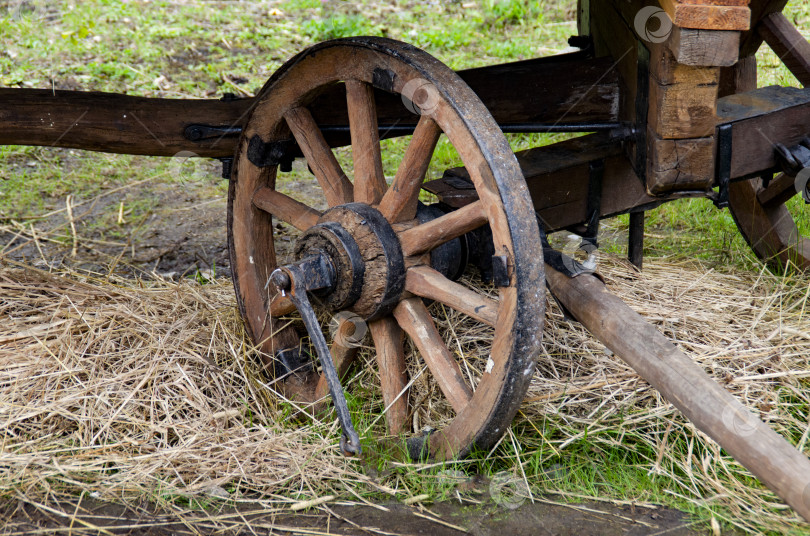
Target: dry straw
(130, 389)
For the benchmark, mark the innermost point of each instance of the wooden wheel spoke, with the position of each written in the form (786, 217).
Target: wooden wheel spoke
(369, 179)
(414, 318)
(779, 190)
(387, 337)
(281, 305)
(400, 201)
(428, 283)
(286, 208)
(343, 351)
(427, 236)
(336, 187)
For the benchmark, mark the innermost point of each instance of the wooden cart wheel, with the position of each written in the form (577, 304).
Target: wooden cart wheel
(760, 213)
(386, 285)
(765, 222)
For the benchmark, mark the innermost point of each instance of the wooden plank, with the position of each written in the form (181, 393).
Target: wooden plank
(719, 48)
(400, 201)
(682, 164)
(557, 176)
(115, 123)
(702, 16)
(684, 109)
(286, 208)
(790, 45)
(369, 178)
(703, 401)
(568, 87)
(321, 160)
(760, 119)
(737, 79)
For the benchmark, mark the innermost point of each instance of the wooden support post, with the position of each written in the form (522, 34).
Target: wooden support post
(635, 241)
(704, 402)
(789, 44)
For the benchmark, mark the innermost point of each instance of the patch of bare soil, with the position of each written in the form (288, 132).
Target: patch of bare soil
(540, 518)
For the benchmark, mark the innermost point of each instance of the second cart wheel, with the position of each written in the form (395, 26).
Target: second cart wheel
(766, 223)
(380, 245)
(761, 214)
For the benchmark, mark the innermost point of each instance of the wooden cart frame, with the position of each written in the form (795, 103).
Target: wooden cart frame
(667, 89)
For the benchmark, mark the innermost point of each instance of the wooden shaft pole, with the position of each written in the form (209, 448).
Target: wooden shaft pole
(710, 407)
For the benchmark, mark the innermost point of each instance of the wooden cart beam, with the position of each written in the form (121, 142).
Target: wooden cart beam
(558, 177)
(705, 403)
(561, 89)
(760, 119)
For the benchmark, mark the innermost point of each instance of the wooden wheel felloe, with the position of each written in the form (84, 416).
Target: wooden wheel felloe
(760, 213)
(765, 222)
(378, 246)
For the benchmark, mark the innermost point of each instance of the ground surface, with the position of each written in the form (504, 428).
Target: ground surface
(445, 519)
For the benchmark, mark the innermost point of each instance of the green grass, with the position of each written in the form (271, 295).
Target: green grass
(204, 49)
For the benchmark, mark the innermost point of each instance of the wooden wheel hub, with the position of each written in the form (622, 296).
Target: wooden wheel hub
(366, 255)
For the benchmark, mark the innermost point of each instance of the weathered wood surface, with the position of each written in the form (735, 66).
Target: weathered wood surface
(709, 14)
(558, 176)
(788, 43)
(705, 403)
(683, 82)
(560, 89)
(683, 99)
(765, 223)
(760, 119)
(704, 47)
(751, 40)
(679, 164)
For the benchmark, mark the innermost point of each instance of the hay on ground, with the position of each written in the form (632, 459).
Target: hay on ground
(128, 389)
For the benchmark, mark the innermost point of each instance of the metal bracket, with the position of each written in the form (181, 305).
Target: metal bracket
(792, 160)
(274, 153)
(724, 139)
(296, 280)
(207, 132)
(596, 171)
(559, 260)
(227, 167)
(642, 102)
